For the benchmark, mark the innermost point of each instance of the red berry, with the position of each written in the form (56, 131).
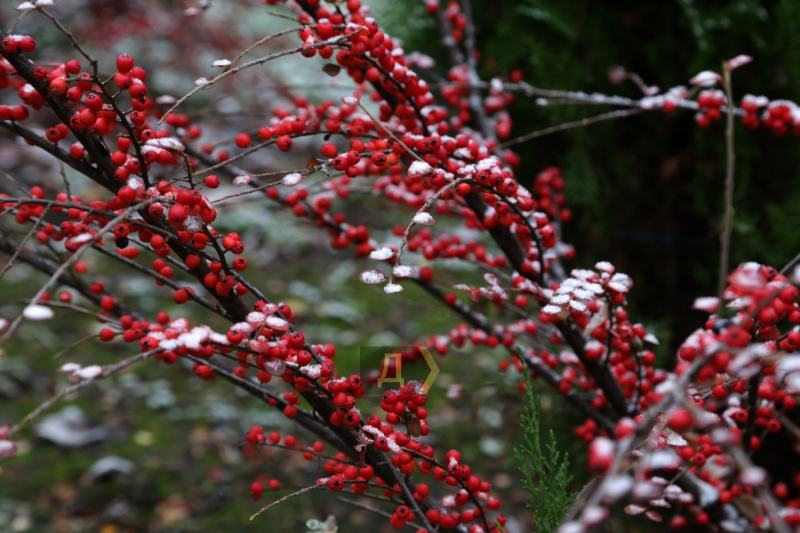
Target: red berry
(328, 150)
(284, 143)
(243, 140)
(124, 63)
(180, 296)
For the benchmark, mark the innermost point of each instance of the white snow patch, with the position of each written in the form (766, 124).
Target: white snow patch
(278, 324)
(708, 304)
(290, 180)
(381, 254)
(739, 61)
(419, 168)
(241, 181)
(372, 277)
(403, 271)
(753, 476)
(424, 219)
(605, 266)
(7, 449)
(673, 439)
(38, 312)
(706, 78)
(617, 487)
(170, 143)
(89, 372)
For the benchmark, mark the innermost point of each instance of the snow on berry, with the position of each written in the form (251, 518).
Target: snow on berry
(381, 254)
(403, 271)
(706, 78)
(242, 180)
(312, 371)
(708, 304)
(739, 61)
(392, 288)
(372, 277)
(290, 180)
(170, 143)
(275, 366)
(39, 312)
(69, 367)
(88, 372)
(424, 219)
(277, 323)
(419, 168)
(7, 449)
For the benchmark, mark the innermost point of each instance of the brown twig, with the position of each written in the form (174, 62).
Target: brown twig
(107, 371)
(209, 83)
(730, 159)
(25, 241)
(288, 496)
(72, 260)
(619, 113)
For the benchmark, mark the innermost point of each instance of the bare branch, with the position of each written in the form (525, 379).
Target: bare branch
(209, 83)
(107, 371)
(619, 113)
(24, 241)
(730, 160)
(72, 260)
(288, 496)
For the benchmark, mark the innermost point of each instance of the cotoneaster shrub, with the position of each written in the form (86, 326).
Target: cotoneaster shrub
(677, 444)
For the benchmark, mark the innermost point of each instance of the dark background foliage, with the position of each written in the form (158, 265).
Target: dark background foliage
(646, 191)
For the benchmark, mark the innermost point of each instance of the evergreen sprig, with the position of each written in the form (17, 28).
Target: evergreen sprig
(545, 476)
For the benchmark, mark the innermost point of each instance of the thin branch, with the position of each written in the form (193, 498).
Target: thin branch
(76, 344)
(166, 281)
(64, 179)
(75, 43)
(795, 260)
(288, 496)
(730, 159)
(209, 83)
(24, 241)
(378, 124)
(475, 102)
(619, 113)
(67, 278)
(72, 260)
(375, 511)
(423, 209)
(260, 42)
(107, 371)
(251, 191)
(15, 182)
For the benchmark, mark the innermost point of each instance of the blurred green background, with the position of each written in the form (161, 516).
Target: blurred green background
(646, 193)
